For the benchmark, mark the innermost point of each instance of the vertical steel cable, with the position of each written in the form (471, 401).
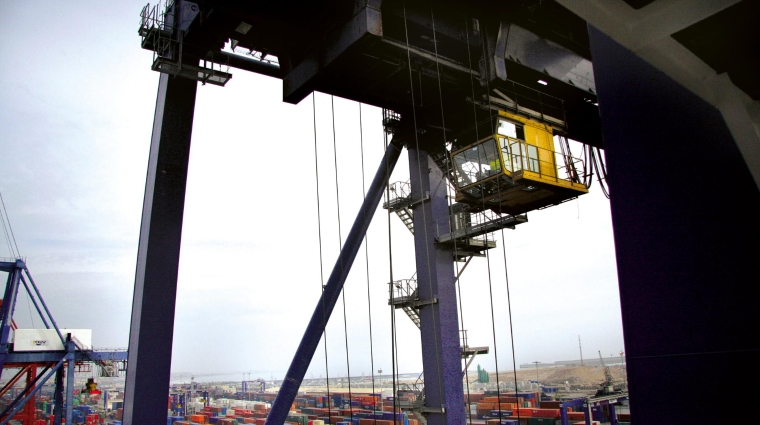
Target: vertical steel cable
(509, 305)
(340, 248)
(390, 264)
(366, 262)
(8, 219)
(321, 268)
(7, 237)
(424, 216)
(448, 198)
(488, 256)
(509, 310)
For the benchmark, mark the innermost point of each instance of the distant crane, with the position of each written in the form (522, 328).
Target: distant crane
(607, 386)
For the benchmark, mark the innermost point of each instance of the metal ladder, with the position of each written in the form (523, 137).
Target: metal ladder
(407, 217)
(400, 201)
(404, 295)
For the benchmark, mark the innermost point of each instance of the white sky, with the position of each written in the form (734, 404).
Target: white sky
(76, 111)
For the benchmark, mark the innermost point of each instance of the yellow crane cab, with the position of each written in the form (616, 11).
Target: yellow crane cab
(516, 170)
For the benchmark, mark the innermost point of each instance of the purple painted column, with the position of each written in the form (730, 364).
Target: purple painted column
(152, 327)
(439, 327)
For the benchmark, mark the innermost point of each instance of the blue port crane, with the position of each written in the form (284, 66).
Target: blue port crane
(56, 352)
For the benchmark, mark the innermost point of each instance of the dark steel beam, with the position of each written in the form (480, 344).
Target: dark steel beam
(322, 312)
(54, 356)
(152, 326)
(247, 64)
(686, 245)
(302, 79)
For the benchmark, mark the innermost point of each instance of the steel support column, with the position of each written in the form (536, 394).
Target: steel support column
(685, 211)
(70, 363)
(7, 305)
(613, 415)
(152, 326)
(58, 397)
(322, 312)
(439, 326)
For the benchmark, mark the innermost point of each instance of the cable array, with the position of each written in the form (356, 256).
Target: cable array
(366, 261)
(340, 248)
(321, 267)
(10, 238)
(421, 195)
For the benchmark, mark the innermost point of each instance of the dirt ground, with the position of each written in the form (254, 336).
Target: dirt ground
(576, 376)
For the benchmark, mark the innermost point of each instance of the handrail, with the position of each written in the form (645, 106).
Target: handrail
(545, 162)
(399, 190)
(403, 288)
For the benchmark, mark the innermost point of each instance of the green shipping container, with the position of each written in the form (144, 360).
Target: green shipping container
(541, 421)
(299, 419)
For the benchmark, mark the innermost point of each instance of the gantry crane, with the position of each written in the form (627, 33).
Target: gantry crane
(607, 386)
(57, 352)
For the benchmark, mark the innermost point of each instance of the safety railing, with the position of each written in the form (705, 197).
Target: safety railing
(156, 26)
(12, 259)
(530, 102)
(463, 338)
(548, 164)
(158, 31)
(466, 225)
(399, 194)
(403, 290)
(391, 120)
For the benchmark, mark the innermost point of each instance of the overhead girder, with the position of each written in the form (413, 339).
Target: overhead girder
(361, 50)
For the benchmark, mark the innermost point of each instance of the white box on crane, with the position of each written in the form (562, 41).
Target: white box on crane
(48, 339)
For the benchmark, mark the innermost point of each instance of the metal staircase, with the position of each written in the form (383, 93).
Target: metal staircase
(417, 388)
(404, 295)
(400, 201)
(466, 235)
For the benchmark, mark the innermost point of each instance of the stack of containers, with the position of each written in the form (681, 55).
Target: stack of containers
(545, 413)
(297, 418)
(172, 419)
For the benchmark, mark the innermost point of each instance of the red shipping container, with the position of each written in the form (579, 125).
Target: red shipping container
(545, 413)
(524, 412)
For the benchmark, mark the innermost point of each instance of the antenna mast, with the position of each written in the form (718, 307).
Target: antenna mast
(580, 348)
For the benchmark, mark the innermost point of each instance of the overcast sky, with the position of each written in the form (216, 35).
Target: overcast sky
(76, 111)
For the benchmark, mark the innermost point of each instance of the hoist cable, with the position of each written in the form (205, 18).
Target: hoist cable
(7, 237)
(8, 219)
(340, 248)
(449, 172)
(390, 267)
(424, 216)
(477, 137)
(509, 308)
(321, 268)
(366, 260)
(503, 241)
(488, 256)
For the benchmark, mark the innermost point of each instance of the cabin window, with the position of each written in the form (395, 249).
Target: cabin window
(477, 163)
(510, 129)
(533, 158)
